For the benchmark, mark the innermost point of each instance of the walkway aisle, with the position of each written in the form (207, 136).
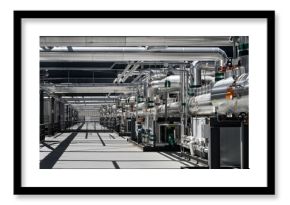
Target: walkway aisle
(101, 150)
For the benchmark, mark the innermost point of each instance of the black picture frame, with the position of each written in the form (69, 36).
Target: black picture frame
(268, 190)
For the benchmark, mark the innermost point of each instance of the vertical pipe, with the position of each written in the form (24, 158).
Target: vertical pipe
(191, 126)
(136, 122)
(182, 104)
(197, 75)
(145, 87)
(185, 100)
(234, 48)
(165, 112)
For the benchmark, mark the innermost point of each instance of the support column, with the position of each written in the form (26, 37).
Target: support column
(69, 115)
(73, 116)
(61, 116)
(52, 101)
(41, 115)
(66, 116)
(77, 116)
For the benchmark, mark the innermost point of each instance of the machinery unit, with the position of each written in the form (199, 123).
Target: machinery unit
(186, 105)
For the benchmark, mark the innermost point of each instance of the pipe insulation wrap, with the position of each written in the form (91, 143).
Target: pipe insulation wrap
(141, 49)
(173, 79)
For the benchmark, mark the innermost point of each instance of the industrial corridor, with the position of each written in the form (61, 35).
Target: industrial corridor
(144, 102)
(102, 150)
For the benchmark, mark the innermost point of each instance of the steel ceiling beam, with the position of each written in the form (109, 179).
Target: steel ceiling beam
(82, 107)
(87, 94)
(91, 103)
(120, 76)
(87, 99)
(80, 68)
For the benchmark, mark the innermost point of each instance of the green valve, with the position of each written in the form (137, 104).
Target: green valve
(140, 99)
(219, 76)
(167, 84)
(243, 53)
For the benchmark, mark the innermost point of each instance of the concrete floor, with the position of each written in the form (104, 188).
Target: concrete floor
(102, 150)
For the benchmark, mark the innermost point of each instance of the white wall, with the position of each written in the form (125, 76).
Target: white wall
(282, 110)
(89, 115)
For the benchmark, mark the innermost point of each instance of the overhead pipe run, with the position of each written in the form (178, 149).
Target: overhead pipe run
(140, 49)
(126, 56)
(96, 41)
(200, 50)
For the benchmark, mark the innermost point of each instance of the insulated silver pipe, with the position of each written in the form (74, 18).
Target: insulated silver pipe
(204, 51)
(195, 71)
(182, 100)
(141, 49)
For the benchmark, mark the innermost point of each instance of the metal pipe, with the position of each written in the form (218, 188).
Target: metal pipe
(76, 41)
(172, 108)
(200, 105)
(231, 95)
(210, 51)
(126, 56)
(186, 97)
(196, 73)
(173, 79)
(182, 100)
(142, 49)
